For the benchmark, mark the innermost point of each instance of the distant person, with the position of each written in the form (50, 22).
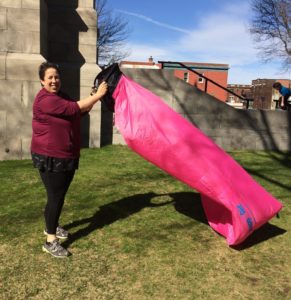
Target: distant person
(285, 93)
(55, 147)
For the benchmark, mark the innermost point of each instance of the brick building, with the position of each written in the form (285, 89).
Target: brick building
(260, 93)
(216, 72)
(243, 90)
(265, 97)
(150, 64)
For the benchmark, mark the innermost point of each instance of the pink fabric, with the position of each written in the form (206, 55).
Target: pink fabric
(235, 205)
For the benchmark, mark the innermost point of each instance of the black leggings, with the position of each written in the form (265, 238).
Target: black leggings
(57, 185)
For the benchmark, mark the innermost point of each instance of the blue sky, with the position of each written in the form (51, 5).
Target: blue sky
(213, 31)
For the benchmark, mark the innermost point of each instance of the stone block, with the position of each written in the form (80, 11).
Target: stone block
(95, 121)
(26, 129)
(97, 109)
(21, 66)
(23, 19)
(186, 105)
(216, 139)
(285, 143)
(29, 91)
(2, 125)
(25, 147)
(3, 41)
(266, 141)
(10, 3)
(11, 95)
(152, 79)
(3, 18)
(88, 52)
(257, 120)
(23, 41)
(2, 65)
(86, 3)
(15, 120)
(89, 16)
(189, 99)
(118, 139)
(88, 38)
(275, 120)
(31, 4)
(88, 73)
(245, 140)
(14, 130)
(225, 143)
(11, 149)
(203, 122)
(238, 119)
(85, 91)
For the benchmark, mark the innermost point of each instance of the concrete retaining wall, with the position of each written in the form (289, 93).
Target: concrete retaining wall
(230, 128)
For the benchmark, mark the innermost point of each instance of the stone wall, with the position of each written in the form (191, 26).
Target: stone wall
(19, 60)
(31, 32)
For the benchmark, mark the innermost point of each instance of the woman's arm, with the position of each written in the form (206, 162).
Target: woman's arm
(87, 103)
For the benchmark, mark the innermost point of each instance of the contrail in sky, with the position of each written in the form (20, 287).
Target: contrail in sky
(154, 21)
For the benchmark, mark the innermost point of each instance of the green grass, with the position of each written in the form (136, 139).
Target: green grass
(137, 234)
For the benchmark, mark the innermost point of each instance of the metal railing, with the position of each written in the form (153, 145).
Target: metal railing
(246, 100)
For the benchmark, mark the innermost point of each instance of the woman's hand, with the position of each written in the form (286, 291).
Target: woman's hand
(102, 90)
(87, 103)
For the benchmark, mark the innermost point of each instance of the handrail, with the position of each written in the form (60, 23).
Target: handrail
(208, 79)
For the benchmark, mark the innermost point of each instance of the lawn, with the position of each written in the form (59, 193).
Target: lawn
(138, 233)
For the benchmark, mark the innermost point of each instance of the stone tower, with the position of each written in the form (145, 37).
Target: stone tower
(33, 31)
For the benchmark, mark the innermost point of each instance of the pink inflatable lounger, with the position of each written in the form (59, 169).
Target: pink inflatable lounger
(235, 204)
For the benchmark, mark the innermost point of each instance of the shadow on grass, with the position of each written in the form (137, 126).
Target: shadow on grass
(264, 233)
(114, 211)
(186, 203)
(189, 204)
(268, 179)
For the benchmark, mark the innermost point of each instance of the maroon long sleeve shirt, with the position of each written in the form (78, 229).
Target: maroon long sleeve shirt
(55, 126)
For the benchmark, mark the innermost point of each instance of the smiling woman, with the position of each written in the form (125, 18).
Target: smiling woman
(50, 80)
(55, 147)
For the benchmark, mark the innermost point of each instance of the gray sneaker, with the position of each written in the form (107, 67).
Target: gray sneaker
(55, 249)
(61, 233)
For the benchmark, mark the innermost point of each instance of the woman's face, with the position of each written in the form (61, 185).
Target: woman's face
(51, 81)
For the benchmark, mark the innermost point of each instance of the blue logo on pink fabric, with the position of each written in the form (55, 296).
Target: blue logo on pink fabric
(245, 213)
(241, 209)
(250, 223)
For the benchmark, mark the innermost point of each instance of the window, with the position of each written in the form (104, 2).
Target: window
(200, 79)
(186, 76)
(231, 99)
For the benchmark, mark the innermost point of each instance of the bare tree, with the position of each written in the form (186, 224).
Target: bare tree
(113, 31)
(271, 28)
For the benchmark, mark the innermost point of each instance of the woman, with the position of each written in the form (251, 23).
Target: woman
(55, 147)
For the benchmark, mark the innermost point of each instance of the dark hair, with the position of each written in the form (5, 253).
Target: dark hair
(277, 85)
(44, 66)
